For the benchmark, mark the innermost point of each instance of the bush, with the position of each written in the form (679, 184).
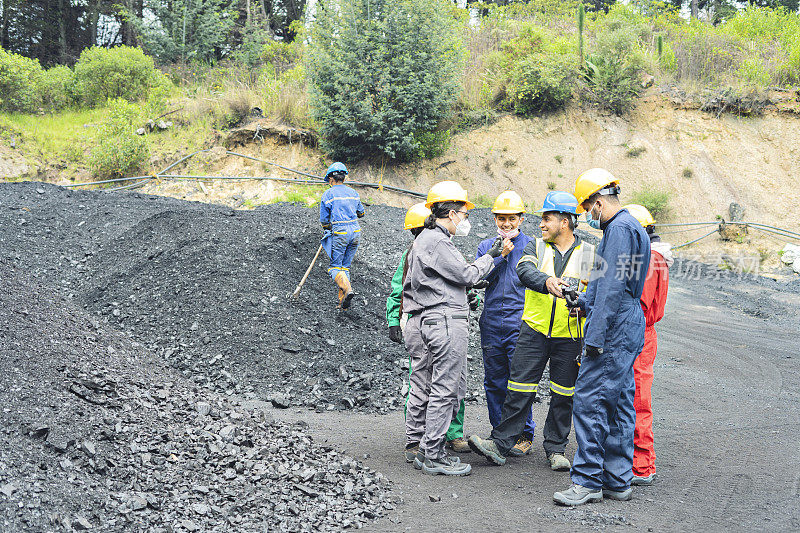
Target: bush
(538, 84)
(432, 143)
(613, 70)
(613, 84)
(19, 83)
(120, 72)
(119, 152)
(533, 73)
(57, 88)
(381, 71)
(656, 201)
(285, 95)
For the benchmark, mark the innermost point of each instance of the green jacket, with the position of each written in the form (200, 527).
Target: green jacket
(393, 301)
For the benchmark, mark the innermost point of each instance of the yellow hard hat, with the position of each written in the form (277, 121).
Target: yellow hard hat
(448, 191)
(416, 215)
(641, 214)
(508, 203)
(590, 182)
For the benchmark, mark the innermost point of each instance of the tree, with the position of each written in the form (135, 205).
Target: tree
(383, 74)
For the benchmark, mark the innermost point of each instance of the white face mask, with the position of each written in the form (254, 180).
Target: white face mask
(462, 230)
(508, 234)
(463, 227)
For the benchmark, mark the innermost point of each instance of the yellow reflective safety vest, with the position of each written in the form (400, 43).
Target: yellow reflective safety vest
(544, 312)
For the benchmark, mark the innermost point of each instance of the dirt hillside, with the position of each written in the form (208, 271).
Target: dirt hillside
(702, 161)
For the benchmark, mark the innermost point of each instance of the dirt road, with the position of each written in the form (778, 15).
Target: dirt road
(727, 415)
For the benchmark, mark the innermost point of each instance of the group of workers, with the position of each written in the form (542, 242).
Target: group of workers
(587, 311)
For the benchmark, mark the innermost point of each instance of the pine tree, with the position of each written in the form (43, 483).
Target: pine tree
(383, 74)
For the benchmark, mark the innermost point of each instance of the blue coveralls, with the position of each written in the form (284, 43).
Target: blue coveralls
(500, 323)
(341, 206)
(603, 412)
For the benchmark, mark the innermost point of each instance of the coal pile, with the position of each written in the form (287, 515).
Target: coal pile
(95, 432)
(205, 288)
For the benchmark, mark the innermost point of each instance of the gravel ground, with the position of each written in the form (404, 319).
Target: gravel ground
(95, 432)
(150, 342)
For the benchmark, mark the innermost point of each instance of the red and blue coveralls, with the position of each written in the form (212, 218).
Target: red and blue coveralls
(341, 207)
(500, 323)
(653, 301)
(602, 412)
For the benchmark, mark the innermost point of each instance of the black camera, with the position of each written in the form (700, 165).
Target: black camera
(570, 292)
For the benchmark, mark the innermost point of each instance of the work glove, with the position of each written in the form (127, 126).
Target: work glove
(396, 334)
(473, 299)
(497, 248)
(482, 284)
(327, 226)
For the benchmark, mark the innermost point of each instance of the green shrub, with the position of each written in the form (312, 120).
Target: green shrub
(635, 151)
(613, 70)
(538, 84)
(119, 152)
(280, 55)
(120, 72)
(57, 88)
(482, 200)
(534, 73)
(432, 143)
(380, 72)
(613, 83)
(667, 61)
(19, 82)
(656, 201)
(754, 72)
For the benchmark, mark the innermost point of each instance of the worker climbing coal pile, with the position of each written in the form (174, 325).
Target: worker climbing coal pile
(339, 210)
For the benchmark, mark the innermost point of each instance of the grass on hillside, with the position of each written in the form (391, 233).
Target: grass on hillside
(64, 136)
(516, 53)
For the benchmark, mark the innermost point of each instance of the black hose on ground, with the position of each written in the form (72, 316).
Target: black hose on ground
(316, 179)
(695, 240)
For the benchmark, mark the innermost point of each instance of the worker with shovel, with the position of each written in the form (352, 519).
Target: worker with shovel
(436, 335)
(653, 301)
(414, 222)
(502, 311)
(603, 411)
(339, 210)
(549, 333)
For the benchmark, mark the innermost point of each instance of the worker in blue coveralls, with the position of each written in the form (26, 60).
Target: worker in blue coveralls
(502, 311)
(339, 211)
(603, 412)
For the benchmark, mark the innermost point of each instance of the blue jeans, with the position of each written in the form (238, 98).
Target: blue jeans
(343, 246)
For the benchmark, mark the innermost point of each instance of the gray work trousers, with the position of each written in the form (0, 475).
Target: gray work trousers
(437, 341)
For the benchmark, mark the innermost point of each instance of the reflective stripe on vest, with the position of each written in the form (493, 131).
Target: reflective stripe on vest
(539, 308)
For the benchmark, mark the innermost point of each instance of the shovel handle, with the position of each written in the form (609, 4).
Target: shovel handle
(308, 271)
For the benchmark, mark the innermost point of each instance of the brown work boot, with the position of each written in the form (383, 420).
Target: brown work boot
(522, 447)
(458, 445)
(345, 290)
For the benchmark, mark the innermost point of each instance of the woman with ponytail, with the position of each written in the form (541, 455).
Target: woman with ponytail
(436, 335)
